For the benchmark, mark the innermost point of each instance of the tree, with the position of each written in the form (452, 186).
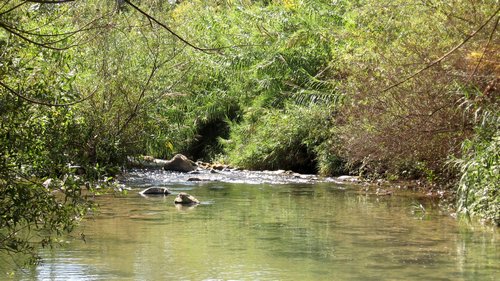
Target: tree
(71, 90)
(410, 67)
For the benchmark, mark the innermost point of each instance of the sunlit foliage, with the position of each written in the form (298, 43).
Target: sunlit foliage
(381, 88)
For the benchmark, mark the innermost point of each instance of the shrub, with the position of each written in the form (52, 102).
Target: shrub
(478, 188)
(410, 129)
(478, 192)
(294, 138)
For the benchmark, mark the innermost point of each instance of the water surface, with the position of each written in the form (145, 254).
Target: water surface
(269, 229)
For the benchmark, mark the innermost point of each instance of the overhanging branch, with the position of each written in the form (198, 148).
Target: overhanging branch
(50, 1)
(151, 18)
(444, 56)
(30, 100)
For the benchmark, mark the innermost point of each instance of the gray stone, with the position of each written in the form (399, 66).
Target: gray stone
(155, 191)
(186, 199)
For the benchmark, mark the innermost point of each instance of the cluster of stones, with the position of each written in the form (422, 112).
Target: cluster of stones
(214, 166)
(182, 198)
(179, 163)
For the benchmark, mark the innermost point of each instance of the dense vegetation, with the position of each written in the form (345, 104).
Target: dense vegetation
(381, 88)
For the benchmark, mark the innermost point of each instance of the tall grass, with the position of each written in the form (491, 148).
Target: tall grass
(478, 193)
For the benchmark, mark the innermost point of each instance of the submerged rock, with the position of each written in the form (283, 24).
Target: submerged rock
(185, 208)
(198, 179)
(180, 163)
(186, 199)
(155, 191)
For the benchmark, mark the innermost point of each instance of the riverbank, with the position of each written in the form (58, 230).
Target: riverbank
(208, 172)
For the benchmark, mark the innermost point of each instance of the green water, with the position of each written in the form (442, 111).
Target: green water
(321, 231)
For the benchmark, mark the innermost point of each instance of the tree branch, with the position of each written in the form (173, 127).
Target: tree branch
(50, 1)
(485, 49)
(12, 9)
(30, 100)
(143, 92)
(25, 38)
(205, 50)
(442, 57)
(86, 27)
(151, 18)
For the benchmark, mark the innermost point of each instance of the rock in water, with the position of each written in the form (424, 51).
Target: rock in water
(180, 163)
(354, 179)
(155, 191)
(145, 162)
(186, 199)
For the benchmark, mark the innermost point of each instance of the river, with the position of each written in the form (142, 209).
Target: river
(268, 226)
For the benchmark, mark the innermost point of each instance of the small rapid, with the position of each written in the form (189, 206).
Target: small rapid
(144, 178)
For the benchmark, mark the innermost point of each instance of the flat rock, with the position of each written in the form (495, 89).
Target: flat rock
(155, 191)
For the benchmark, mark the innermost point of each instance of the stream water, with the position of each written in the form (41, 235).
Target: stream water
(269, 226)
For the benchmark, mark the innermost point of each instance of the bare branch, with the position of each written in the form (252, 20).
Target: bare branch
(485, 49)
(444, 56)
(151, 18)
(51, 1)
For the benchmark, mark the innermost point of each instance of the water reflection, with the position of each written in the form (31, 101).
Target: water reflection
(263, 231)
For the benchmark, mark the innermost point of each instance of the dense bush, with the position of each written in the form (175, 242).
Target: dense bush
(479, 165)
(282, 60)
(293, 138)
(410, 129)
(478, 192)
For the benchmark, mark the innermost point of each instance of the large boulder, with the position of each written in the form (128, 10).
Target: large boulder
(186, 199)
(180, 163)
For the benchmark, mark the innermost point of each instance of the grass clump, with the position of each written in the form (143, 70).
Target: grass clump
(478, 189)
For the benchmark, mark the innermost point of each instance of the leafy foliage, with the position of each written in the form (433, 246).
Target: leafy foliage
(44, 126)
(293, 138)
(410, 129)
(282, 60)
(479, 164)
(296, 84)
(478, 187)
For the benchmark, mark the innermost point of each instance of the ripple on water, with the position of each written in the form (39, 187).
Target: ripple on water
(293, 230)
(142, 178)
